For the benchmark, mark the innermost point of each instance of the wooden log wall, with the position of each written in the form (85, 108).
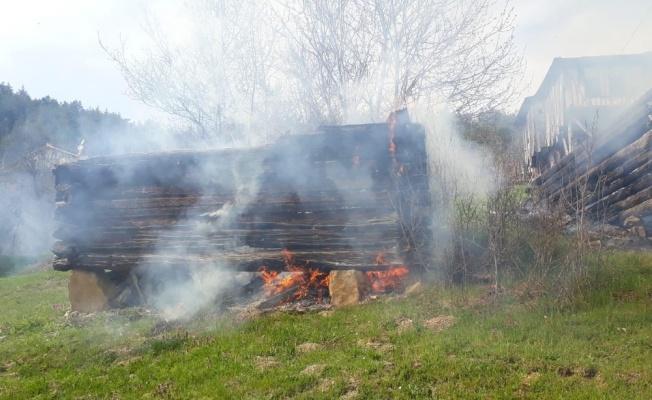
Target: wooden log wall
(613, 180)
(336, 200)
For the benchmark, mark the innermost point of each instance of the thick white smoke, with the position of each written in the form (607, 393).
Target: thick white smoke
(458, 169)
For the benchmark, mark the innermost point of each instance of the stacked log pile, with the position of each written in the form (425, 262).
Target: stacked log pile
(609, 180)
(336, 199)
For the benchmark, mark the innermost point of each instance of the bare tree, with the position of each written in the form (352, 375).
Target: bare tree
(371, 56)
(329, 57)
(217, 79)
(251, 67)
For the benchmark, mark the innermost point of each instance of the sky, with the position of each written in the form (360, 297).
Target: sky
(575, 28)
(51, 48)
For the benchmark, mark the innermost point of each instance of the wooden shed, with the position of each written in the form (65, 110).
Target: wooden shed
(611, 181)
(345, 197)
(578, 99)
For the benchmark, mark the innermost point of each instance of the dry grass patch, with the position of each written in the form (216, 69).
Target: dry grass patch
(267, 362)
(403, 324)
(307, 347)
(439, 323)
(380, 346)
(314, 370)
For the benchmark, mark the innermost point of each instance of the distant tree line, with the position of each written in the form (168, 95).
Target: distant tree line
(27, 124)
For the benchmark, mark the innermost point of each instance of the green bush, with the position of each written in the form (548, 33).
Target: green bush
(12, 264)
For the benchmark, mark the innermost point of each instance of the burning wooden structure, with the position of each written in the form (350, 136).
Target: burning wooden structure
(587, 137)
(559, 118)
(346, 197)
(608, 177)
(611, 177)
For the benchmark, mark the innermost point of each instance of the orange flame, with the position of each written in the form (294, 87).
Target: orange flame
(301, 276)
(356, 157)
(392, 128)
(382, 281)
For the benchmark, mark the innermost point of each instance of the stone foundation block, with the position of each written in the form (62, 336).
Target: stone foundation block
(347, 287)
(89, 291)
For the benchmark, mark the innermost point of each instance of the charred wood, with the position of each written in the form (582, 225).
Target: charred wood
(279, 298)
(244, 260)
(643, 208)
(335, 200)
(630, 202)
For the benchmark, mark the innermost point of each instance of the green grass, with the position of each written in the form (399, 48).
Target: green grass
(498, 347)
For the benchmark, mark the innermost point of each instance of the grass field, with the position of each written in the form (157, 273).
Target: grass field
(434, 343)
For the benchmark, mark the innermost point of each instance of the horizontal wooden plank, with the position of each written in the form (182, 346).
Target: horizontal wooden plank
(334, 199)
(592, 164)
(272, 259)
(643, 209)
(611, 202)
